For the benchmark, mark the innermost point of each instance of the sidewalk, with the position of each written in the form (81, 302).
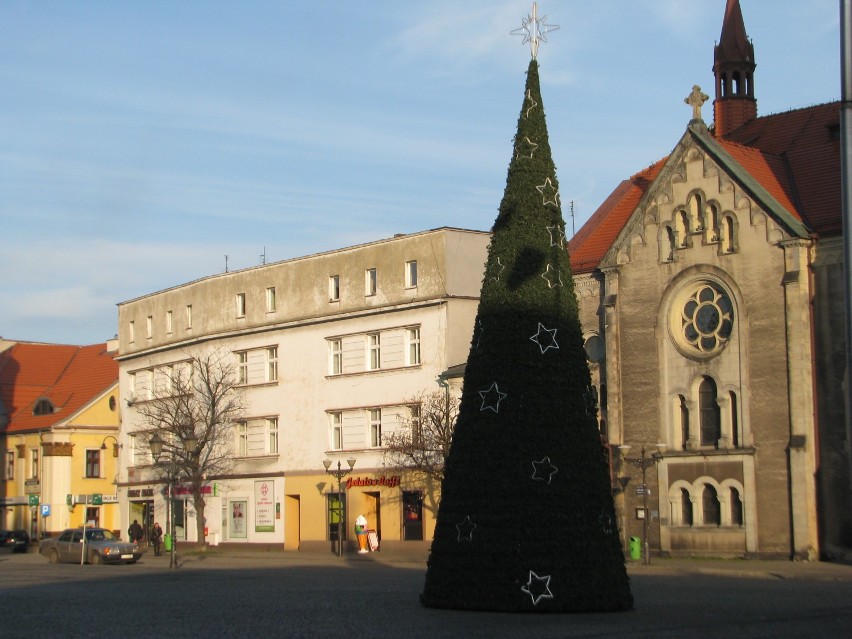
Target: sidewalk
(746, 568)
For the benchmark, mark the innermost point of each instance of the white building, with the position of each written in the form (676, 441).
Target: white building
(330, 349)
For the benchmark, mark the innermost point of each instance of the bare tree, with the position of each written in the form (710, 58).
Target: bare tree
(197, 398)
(423, 442)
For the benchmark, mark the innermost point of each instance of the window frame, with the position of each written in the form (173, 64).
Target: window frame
(271, 363)
(93, 463)
(272, 436)
(240, 305)
(374, 351)
(242, 367)
(412, 346)
(10, 465)
(335, 430)
(34, 463)
(371, 282)
(335, 356)
(374, 431)
(271, 301)
(411, 274)
(334, 288)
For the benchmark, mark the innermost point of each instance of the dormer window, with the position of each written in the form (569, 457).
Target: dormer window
(43, 407)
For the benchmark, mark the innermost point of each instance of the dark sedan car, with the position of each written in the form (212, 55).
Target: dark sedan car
(14, 540)
(100, 546)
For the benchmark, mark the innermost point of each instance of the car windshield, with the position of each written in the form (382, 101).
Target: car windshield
(99, 535)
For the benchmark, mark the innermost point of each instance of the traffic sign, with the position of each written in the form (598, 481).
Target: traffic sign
(45, 510)
(33, 500)
(97, 499)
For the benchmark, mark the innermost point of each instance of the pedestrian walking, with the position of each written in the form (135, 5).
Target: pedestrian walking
(156, 537)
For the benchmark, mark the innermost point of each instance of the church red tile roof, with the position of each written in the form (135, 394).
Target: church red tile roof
(794, 156)
(70, 377)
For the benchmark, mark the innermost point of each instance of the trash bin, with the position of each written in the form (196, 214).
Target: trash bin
(167, 542)
(635, 548)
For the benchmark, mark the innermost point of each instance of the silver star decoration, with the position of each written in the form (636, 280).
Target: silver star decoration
(532, 104)
(557, 235)
(543, 470)
(549, 193)
(525, 149)
(534, 30)
(538, 588)
(491, 398)
(552, 276)
(498, 268)
(545, 338)
(465, 528)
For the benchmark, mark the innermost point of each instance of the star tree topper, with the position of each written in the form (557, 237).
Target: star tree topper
(534, 30)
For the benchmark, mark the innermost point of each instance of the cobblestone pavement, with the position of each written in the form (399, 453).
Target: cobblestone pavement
(252, 593)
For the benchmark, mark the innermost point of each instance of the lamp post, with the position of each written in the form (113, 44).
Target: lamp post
(643, 463)
(190, 443)
(340, 473)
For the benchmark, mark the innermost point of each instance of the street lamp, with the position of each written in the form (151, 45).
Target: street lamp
(340, 473)
(190, 443)
(643, 463)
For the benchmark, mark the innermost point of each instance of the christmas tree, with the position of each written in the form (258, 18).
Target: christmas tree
(526, 519)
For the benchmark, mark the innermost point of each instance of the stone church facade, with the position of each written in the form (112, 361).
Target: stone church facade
(711, 296)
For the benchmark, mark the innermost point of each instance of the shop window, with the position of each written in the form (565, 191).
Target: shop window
(412, 515)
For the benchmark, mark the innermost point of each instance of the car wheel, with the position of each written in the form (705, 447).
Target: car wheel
(95, 559)
(53, 557)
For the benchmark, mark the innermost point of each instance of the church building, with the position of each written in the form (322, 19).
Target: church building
(711, 293)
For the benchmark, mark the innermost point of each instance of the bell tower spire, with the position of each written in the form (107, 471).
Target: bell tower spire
(733, 66)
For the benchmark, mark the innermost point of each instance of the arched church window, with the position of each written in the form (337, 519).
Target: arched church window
(710, 506)
(709, 409)
(683, 228)
(735, 421)
(727, 235)
(736, 508)
(712, 217)
(684, 422)
(695, 213)
(685, 507)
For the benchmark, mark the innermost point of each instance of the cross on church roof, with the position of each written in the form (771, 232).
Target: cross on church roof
(696, 99)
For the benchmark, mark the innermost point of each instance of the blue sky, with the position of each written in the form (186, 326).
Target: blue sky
(144, 141)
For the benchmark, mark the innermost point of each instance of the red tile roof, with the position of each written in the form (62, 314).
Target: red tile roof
(595, 237)
(794, 156)
(69, 376)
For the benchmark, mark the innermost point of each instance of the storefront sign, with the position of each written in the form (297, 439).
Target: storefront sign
(32, 486)
(264, 506)
(388, 482)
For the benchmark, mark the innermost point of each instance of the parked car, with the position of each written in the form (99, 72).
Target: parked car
(101, 546)
(14, 540)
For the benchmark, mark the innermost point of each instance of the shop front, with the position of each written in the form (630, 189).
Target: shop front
(399, 509)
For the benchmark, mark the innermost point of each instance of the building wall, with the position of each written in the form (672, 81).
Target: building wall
(762, 371)
(306, 323)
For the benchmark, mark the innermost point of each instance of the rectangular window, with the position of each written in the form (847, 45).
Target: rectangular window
(169, 322)
(411, 274)
(374, 354)
(149, 384)
(34, 463)
(272, 429)
(93, 463)
(241, 304)
(272, 364)
(149, 327)
(242, 439)
(10, 465)
(270, 299)
(370, 281)
(336, 430)
(242, 368)
(335, 356)
(416, 427)
(376, 427)
(131, 332)
(188, 316)
(412, 338)
(334, 288)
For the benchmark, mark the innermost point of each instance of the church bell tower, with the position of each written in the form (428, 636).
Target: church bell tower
(733, 66)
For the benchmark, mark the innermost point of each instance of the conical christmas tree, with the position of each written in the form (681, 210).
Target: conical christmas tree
(526, 519)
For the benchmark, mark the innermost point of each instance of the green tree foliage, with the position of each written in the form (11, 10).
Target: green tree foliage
(526, 520)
